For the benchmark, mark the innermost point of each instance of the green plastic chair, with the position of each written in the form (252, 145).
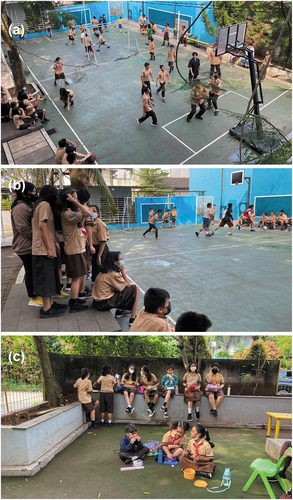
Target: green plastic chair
(266, 468)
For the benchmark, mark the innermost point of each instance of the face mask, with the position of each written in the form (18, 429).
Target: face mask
(168, 310)
(131, 371)
(33, 197)
(141, 373)
(121, 262)
(215, 370)
(94, 215)
(192, 368)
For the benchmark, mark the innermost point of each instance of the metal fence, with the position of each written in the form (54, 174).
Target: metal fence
(19, 390)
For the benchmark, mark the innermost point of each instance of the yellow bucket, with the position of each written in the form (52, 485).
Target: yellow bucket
(189, 474)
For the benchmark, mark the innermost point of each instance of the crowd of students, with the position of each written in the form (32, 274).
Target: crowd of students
(23, 111)
(62, 228)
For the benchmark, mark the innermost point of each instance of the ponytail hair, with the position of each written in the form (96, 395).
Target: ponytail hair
(84, 373)
(204, 433)
(147, 370)
(179, 423)
(106, 370)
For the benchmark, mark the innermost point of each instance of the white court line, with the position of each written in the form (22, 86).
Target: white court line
(48, 39)
(169, 317)
(276, 98)
(174, 121)
(215, 140)
(211, 248)
(240, 95)
(179, 140)
(57, 109)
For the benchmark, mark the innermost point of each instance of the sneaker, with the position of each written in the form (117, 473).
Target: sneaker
(131, 410)
(121, 313)
(211, 410)
(77, 307)
(239, 227)
(157, 91)
(252, 229)
(149, 410)
(273, 479)
(131, 321)
(138, 122)
(229, 234)
(110, 424)
(208, 235)
(87, 289)
(59, 306)
(215, 413)
(197, 233)
(94, 427)
(36, 302)
(61, 295)
(46, 120)
(163, 408)
(84, 295)
(51, 313)
(216, 112)
(155, 124)
(189, 417)
(65, 43)
(64, 275)
(81, 301)
(152, 412)
(188, 120)
(127, 410)
(128, 461)
(163, 99)
(55, 83)
(166, 414)
(89, 274)
(199, 117)
(212, 233)
(208, 475)
(197, 415)
(68, 287)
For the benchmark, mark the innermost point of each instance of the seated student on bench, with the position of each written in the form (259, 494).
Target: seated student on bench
(247, 218)
(282, 220)
(263, 221)
(152, 317)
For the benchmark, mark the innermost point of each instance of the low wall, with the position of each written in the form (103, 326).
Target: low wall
(234, 411)
(24, 444)
(67, 368)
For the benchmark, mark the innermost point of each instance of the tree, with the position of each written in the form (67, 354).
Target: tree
(258, 352)
(194, 347)
(82, 177)
(40, 342)
(154, 182)
(12, 50)
(24, 174)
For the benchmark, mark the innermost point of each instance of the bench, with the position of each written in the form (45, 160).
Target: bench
(278, 417)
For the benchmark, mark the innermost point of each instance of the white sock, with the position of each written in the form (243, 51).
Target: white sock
(207, 232)
(197, 408)
(189, 410)
(229, 232)
(128, 406)
(102, 420)
(110, 421)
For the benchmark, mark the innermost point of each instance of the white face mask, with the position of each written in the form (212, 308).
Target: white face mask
(141, 373)
(131, 371)
(192, 368)
(94, 215)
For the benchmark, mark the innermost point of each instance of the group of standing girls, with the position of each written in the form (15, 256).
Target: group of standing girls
(58, 228)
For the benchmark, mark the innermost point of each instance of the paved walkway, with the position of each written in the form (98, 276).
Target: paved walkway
(10, 267)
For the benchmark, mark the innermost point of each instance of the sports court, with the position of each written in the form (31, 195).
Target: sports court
(108, 101)
(242, 283)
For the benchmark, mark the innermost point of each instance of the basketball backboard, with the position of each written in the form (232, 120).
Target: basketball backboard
(231, 37)
(237, 177)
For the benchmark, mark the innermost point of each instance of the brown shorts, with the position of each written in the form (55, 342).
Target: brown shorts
(89, 406)
(59, 76)
(190, 396)
(106, 402)
(76, 265)
(216, 394)
(120, 300)
(171, 390)
(129, 390)
(148, 392)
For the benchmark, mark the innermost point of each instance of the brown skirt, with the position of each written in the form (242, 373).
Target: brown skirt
(89, 406)
(59, 76)
(216, 394)
(75, 265)
(130, 390)
(198, 466)
(88, 257)
(190, 396)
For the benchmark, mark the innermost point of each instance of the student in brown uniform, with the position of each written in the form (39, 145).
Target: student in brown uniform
(102, 41)
(70, 37)
(145, 78)
(150, 383)
(152, 317)
(113, 290)
(214, 93)
(46, 281)
(30, 109)
(66, 96)
(147, 110)
(184, 36)
(20, 120)
(198, 95)
(130, 383)
(21, 220)
(69, 218)
(48, 27)
(173, 441)
(71, 25)
(166, 218)
(214, 388)
(166, 34)
(84, 196)
(61, 150)
(98, 235)
(215, 62)
(59, 73)
(95, 24)
(171, 58)
(199, 454)
(174, 216)
(84, 393)
(152, 49)
(108, 383)
(192, 383)
(162, 78)
(152, 224)
(141, 23)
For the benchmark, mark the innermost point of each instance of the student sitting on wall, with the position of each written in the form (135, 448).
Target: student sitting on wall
(214, 388)
(84, 393)
(152, 317)
(130, 383)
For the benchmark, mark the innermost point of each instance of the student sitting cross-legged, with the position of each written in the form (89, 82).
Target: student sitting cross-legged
(199, 454)
(174, 440)
(131, 445)
(152, 317)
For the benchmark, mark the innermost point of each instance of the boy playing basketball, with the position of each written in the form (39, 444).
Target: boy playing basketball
(227, 218)
(205, 220)
(166, 218)
(174, 217)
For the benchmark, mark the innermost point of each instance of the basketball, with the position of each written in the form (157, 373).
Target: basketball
(265, 228)
(125, 31)
(236, 183)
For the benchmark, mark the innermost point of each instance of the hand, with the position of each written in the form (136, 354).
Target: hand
(132, 440)
(153, 103)
(92, 249)
(157, 84)
(99, 262)
(70, 197)
(171, 328)
(121, 267)
(50, 253)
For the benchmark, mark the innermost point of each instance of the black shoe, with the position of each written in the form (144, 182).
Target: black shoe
(128, 461)
(151, 413)
(46, 120)
(199, 117)
(215, 413)
(94, 427)
(131, 321)
(188, 120)
(208, 475)
(120, 313)
(189, 417)
(51, 313)
(273, 479)
(84, 295)
(67, 83)
(197, 415)
(64, 106)
(55, 83)
(142, 457)
(110, 424)
(72, 103)
(68, 286)
(197, 233)
(87, 289)
(76, 307)
(81, 301)
(59, 306)
(128, 410)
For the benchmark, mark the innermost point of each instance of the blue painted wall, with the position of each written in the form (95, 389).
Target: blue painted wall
(264, 182)
(185, 206)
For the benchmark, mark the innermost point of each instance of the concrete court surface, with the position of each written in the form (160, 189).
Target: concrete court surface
(90, 468)
(108, 101)
(242, 283)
